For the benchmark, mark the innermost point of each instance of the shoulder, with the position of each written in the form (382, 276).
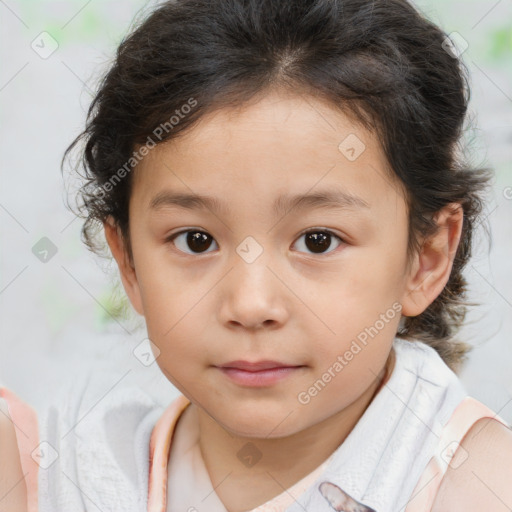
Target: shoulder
(480, 472)
(13, 491)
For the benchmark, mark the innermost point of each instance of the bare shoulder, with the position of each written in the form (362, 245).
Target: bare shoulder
(13, 491)
(480, 474)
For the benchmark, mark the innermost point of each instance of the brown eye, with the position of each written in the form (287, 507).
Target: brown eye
(196, 241)
(319, 241)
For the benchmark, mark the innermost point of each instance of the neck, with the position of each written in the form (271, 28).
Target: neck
(284, 461)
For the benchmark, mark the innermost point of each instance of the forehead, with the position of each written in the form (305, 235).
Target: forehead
(256, 154)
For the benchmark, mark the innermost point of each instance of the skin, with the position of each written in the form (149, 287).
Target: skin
(481, 471)
(291, 304)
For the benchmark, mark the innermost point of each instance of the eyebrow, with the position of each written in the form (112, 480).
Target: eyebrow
(322, 199)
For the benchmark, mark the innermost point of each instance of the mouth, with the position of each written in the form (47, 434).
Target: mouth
(257, 365)
(258, 374)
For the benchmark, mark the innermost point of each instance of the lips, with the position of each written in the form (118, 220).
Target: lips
(256, 366)
(258, 374)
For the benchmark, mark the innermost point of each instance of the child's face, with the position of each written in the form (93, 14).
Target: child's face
(299, 302)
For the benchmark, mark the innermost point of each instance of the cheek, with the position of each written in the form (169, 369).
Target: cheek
(359, 309)
(158, 290)
(174, 310)
(376, 272)
(360, 290)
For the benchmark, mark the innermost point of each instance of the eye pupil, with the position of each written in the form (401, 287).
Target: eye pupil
(317, 241)
(197, 239)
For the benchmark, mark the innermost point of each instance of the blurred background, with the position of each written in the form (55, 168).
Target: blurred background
(62, 311)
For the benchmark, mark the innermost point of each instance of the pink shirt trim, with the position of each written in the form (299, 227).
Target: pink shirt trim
(159, 452)
(24, 418)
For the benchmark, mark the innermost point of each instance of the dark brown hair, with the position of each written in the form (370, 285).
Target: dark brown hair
(379, 60)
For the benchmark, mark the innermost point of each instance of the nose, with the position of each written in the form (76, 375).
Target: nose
(253, 296)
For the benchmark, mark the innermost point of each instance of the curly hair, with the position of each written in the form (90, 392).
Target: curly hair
(381, 61)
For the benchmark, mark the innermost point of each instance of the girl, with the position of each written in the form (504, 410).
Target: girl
(311, 147)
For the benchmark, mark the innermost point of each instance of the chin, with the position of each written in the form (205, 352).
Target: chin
(257, 427)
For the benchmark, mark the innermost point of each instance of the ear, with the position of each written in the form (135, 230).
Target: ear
(115, 241)
(432, 265)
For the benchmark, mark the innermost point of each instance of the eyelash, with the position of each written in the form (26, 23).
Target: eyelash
(171, 238)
